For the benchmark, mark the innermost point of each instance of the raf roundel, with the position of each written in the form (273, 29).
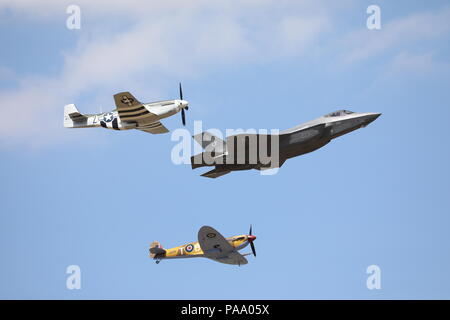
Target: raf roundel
(211, 235)
(189, 248)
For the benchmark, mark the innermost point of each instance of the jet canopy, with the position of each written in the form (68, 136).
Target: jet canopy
(338, 113)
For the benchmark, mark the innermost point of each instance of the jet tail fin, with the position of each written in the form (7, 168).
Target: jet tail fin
(72, 116)
(215, 173)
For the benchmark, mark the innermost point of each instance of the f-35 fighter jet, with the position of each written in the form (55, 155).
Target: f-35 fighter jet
(258, 151)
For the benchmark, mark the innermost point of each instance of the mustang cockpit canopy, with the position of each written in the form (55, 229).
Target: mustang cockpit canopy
(338, 113)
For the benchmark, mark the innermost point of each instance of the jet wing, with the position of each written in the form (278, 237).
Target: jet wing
(155, 128)
(213, 244)
(314, 132)
(130, 109)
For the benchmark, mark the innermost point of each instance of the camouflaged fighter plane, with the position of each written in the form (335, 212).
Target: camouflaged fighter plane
(211, 244)
(129, 114)
(243, 151)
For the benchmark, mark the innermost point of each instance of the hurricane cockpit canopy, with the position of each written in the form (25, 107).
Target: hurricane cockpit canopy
(339, 113)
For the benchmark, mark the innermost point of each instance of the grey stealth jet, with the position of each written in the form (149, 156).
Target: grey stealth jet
(266, 151)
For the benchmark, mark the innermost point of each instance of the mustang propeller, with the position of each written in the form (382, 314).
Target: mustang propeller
(251, 238)
(183, 116)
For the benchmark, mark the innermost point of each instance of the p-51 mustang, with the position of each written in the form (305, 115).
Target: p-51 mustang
(129, 114)
(244, 151)
(211, 244)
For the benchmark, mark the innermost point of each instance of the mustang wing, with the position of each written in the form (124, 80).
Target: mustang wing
(155, 128)
(213, 244)
(125, 100)
(131, 110)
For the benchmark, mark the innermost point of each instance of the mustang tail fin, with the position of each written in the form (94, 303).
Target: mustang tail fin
(72, 117)
(156, 250)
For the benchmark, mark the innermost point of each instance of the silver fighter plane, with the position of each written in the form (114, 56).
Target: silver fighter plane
(129, 114)
(257, 151)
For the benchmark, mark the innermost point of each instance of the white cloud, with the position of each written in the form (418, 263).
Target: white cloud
(405, 61)
(395, 35)
(7, 74)
(163, 40)
(182, 39)
(297, 34)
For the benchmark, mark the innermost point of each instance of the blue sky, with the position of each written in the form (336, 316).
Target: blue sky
(97, 198)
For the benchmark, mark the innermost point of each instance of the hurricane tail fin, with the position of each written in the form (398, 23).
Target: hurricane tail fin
(156, 250)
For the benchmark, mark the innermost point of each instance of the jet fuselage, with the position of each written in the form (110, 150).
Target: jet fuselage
(251, 151)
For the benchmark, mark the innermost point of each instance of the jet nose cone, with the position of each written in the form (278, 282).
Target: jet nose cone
(376, 115)
(372, 117)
